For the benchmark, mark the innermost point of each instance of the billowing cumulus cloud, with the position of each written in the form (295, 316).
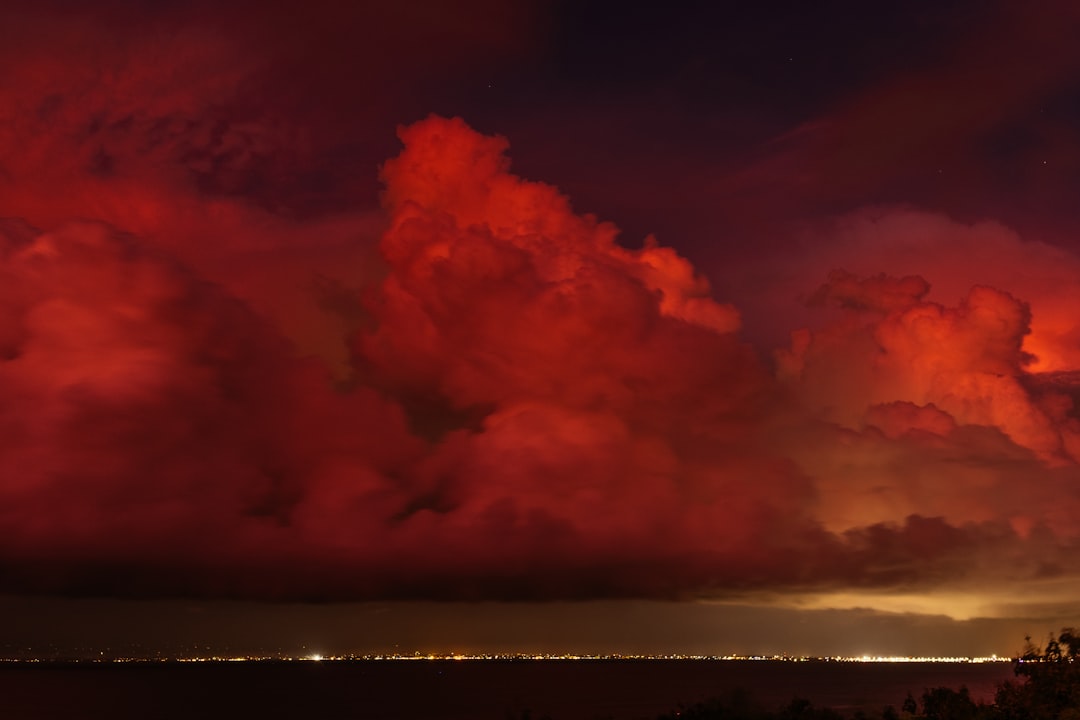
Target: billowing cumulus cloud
(930, 409)
(967, 360)
(150, 420)
(475, 391)
(590, 406)
(560, 408)
(913, 246)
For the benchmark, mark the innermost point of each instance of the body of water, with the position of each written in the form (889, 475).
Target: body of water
(460, 690)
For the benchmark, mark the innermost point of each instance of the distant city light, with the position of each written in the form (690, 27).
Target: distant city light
(521, 657)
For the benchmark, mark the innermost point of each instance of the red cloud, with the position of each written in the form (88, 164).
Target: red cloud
(498, 292)
(968, 361)
(531, 410)
(881, 293)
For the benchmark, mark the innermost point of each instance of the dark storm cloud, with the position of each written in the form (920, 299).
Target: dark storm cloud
(225, 371)
(603, 431)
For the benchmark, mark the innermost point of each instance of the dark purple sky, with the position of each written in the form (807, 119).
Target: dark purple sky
(704, 314)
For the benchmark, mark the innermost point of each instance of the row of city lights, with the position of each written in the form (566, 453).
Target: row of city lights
(530, 657)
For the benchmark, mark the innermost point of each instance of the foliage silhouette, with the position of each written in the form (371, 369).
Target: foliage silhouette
(1051, 686)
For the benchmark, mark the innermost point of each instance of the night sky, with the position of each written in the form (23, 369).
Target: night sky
(539, 326)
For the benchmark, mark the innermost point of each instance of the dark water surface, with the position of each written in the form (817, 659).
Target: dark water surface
(464, 690)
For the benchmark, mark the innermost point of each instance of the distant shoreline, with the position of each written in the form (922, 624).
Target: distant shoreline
(491, 658)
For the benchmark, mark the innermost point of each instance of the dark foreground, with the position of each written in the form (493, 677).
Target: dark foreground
(464, 690)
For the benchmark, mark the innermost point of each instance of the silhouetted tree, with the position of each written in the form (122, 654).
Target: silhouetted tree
(737, 704)
(803, 709)
(1051, 687)
(909, 707)
(942, 703)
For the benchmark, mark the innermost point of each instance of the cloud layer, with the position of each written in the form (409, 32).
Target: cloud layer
(223, 371)
(531, 410)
